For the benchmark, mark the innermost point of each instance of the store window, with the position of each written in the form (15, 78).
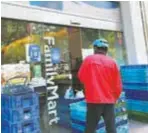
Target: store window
(88, 36)
(22, 43)
(17, 34)
(12, 32)
(116, 46)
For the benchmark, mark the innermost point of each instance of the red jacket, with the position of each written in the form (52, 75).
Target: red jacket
(101, 79)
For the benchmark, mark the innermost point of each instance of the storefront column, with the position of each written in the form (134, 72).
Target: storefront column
(133, 32)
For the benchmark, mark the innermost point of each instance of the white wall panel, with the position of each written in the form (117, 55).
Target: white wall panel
(24, 12)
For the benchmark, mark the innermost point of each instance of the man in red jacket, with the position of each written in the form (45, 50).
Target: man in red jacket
(102, 82)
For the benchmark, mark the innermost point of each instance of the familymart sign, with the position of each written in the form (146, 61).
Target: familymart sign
(51, 87)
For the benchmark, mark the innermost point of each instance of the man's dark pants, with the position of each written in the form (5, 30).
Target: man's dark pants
(95, 111)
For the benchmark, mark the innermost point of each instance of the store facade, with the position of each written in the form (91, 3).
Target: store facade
(53, 38)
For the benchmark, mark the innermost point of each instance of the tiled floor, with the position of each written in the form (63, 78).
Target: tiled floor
(138, 127)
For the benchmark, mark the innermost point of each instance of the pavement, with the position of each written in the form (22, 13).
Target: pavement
(137, 127)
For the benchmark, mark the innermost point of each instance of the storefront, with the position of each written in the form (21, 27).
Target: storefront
(51, 50)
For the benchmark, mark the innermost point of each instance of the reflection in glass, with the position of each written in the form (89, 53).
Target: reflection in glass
(116, 48)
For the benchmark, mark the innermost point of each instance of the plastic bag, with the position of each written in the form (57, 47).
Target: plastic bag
(79, 94)
(69, 94)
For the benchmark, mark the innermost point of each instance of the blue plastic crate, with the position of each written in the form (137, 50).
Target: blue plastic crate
(136, 86)
(32, 126)
(138, 106)
(16, 89)
(134, 79)
(63, 101)
(134, 73)
(81, 105)
(137, 94)
(19, 101)
(78, 128)
(120, 129)
(66, 125)
(63, 108)
(64, 121)
(142, 66)
(81, 114)
(134, 68)
(20, 114)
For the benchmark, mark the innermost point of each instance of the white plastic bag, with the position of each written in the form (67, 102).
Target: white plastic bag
(69, 93)
(79, 94)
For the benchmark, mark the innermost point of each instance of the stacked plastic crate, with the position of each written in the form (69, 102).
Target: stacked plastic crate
(63, 111)
(20, 111)
(135, 84)
(78, 117)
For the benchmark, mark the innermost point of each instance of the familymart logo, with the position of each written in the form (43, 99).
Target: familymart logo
(50, 84)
